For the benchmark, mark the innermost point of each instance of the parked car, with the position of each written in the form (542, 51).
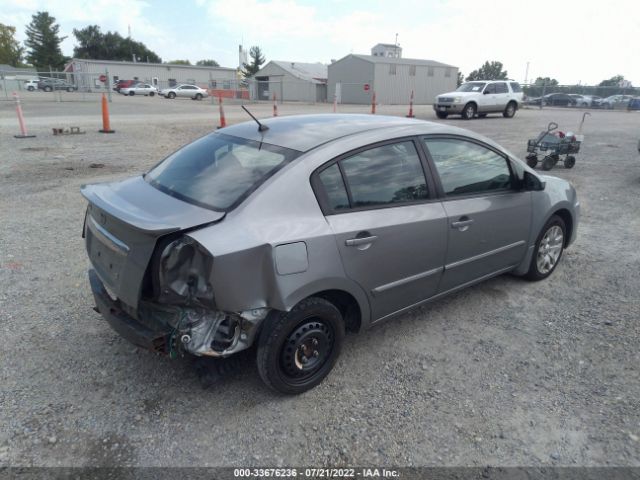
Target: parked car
(190, 91)
(634, 104)
(615, 101)
(50, 84)
(31, 85)
(580, 100)
(480, 98)
(288, 234)
(120, 84)
(559, 100)
(139, 89)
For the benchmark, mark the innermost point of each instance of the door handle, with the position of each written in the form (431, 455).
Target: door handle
(354, 242)
(462, 224)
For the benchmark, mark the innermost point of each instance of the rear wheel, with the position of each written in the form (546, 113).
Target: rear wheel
(132, 93)
(469, 111)
(442, 115)
(510, 110)
(570, 161)
(532, 160)
(548, 250)
(151, 94)
(298, 349)
(198, 96)
(548, 162)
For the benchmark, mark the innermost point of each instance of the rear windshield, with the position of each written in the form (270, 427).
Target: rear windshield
(471, 87)
(218, 171)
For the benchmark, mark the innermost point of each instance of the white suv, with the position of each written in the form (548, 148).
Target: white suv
(479, 98)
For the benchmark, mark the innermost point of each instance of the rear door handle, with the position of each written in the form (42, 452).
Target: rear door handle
(354, 242)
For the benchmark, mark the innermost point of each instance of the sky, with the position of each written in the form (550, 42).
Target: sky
(572, 41)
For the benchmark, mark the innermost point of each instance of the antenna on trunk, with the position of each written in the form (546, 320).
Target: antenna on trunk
(261, 127)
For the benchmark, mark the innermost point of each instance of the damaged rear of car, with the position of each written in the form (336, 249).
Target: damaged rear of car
(151, 279)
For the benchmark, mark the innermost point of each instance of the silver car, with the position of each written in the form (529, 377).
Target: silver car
(286, 233)
(188, 91)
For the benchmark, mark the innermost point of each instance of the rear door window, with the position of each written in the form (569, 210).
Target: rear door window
(501, 87)
(515, 86)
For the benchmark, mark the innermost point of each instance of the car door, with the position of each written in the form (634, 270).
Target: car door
(487, 101)
(182, 91)
(502, 95)
(389, 227)
(488, 214)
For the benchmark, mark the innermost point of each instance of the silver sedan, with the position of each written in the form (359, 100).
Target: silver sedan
(188, 91)
(288, 232)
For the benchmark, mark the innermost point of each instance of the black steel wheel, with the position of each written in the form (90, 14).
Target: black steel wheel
(548, 162)
(532, 160)
(570, 161)
(298, 349)
(469, 111)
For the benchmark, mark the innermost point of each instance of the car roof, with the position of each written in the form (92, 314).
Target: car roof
(305, 132)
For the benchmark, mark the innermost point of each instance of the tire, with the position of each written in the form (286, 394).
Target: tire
(532, 160)
(469, 111)
(198, 96)
(171, 95)
(442, 115)
(151, 94)
(287, 336)
(69, 89)
(569, 161)
(548, 162)
(132, 93)
(548, 250)
(47, 89)
(510, 110)
(30, 88)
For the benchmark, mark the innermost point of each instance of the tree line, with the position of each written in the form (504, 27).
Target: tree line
(42, 49)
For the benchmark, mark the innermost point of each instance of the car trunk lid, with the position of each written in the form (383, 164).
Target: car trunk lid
(123, 223)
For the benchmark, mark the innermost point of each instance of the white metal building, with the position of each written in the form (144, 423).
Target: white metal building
(387, 50)
(162, 75)
(291, 81)
(354, 78)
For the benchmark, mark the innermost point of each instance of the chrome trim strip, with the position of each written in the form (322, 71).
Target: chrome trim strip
(108, 240)
(404, 281)
(483, 255)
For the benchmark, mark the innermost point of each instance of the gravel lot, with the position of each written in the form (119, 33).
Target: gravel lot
(505, 373)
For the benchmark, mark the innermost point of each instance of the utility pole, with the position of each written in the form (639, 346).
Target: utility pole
(526, 74)
(396, 45)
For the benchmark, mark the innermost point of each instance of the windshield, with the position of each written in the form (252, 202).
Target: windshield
(471, 87)
(218, 171)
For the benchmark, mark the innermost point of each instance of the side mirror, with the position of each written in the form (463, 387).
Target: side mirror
(532, 182)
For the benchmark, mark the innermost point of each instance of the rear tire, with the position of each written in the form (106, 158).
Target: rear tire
(132, 93)
(198, 96)
(298, 349)
(442, 115)
(510, 110)
(548, 162)
(548, 250)
(532, 160)
(469, 111)
(570, 161)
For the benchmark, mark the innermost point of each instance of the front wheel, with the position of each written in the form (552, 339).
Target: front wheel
(298, 349)
(469, 111)
(31, 89)
(548, 250)
(510, 110)
(548, 162)
(151, 94)
(48, 89)
(171, 95)
(132, 93)
(442, 115)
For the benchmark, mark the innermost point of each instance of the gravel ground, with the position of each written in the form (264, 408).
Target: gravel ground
(504, 373)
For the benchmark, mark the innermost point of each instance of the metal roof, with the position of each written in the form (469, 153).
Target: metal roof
(142, 64)
(398, 61)
(312, 72)
(304, 132)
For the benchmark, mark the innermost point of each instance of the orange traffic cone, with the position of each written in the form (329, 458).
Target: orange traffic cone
(106, 127)
(411, 115)
(275, 106)
(373, 103)
(223, 121)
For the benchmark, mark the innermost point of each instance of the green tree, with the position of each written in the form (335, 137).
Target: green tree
(546, 81)
(10, 50)
(207, 63)
(488, 71)
(257, 59)
(43, 42)
(612, 82)
(93, 44)
(460, 78)
(179, 62)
